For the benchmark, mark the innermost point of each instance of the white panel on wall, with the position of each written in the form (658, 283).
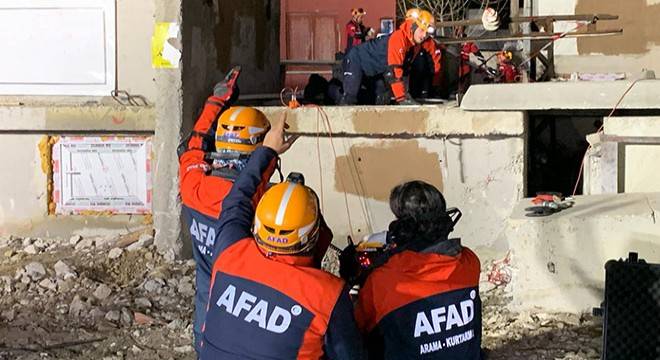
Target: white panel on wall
(57, 47)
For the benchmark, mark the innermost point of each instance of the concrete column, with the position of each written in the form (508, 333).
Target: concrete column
(169, 109)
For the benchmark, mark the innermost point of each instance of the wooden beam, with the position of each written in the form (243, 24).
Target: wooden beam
(531, 36)
(526, 19)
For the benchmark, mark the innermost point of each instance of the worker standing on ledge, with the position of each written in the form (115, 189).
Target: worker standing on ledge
(422, 301)
(356, 32)
(386, 55)
(268, 300)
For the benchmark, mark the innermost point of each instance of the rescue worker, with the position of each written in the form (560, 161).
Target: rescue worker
(268, 300)
(423, 301)
(385, 56)
(209, 161)
(356, 31)
(423, 65)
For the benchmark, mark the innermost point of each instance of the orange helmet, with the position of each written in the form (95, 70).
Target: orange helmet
(422, 19)
(412, 13)
(286, 221)
(241, 129)
(358, 12)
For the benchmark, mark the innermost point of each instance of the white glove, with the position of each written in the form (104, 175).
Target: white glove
(490, 20)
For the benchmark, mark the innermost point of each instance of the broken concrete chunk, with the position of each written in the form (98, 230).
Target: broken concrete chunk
(126, 317)
(77, 307)
(186, 349)
(31, 249)
(84, 244)
(63, 271)
(35, 270)
(113, 316)
(39, 244)
(48, 284)
(152, 285)
(74, 240)
(143, 303)
(8, 315)
(146, 240)
(27, 242)
(102, 292)
(115, 253)
(96, 314)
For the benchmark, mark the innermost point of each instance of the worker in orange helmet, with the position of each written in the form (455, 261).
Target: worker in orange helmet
(385, 57)
(356, 31)
(268, 300)
(422, 64)
(210, 160)
(421, 299)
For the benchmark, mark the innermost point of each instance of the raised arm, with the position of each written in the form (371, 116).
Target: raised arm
(238, 207)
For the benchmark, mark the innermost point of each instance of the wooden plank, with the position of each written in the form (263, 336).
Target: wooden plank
(514, 27)
(526, 19)
(531, 36)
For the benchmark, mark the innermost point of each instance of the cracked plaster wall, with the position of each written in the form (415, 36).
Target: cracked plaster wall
(475, 158)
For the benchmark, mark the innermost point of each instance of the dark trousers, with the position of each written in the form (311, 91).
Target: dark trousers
(359, 88)
(420, 82)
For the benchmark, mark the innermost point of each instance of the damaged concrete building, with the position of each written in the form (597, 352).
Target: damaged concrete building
(149, 65)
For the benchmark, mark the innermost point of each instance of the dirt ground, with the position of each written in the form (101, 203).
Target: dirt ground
(90, 299)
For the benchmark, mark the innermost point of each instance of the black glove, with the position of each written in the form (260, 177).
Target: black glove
(349, 267)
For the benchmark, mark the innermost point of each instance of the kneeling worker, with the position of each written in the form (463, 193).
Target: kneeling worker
(423, 302)
(386, 57)
(267, 299)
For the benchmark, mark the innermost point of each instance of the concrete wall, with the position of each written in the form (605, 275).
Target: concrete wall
(619, 159)
(245, 33)
(23, 189)
(475, 158)
(637, 48)
(134, 29)
(559, 260)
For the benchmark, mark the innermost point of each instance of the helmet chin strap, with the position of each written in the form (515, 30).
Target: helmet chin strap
(413, 29)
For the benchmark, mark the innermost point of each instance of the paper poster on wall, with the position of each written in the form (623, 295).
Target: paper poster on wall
(163, 54)
(102, 175)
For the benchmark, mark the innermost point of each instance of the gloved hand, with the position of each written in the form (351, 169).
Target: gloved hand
(226, 91)
(408, 100)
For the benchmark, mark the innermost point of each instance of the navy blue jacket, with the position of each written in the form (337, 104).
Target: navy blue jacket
(271, 307)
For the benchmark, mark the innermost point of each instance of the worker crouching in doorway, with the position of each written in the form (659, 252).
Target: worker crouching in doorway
(423, 301)
(268, 299)
(383, 61)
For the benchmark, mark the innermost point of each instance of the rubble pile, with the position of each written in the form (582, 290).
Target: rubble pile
(98, 298)
(94, 298)
(536, 335)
